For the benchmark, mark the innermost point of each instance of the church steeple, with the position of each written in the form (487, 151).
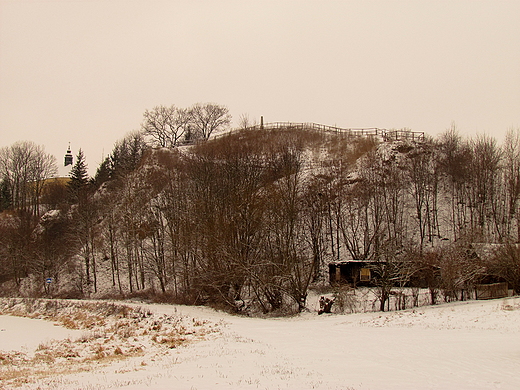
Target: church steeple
(68, 157)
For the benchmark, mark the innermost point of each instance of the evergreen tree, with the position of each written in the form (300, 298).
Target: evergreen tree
(124, 159)
(103, 173)
(78, 177)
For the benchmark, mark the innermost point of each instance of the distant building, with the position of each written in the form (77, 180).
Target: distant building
(68, 157)
(68, 162)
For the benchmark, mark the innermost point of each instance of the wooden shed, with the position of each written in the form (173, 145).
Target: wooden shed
(353, 272)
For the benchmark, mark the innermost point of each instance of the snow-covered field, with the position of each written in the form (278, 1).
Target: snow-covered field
(462, 345)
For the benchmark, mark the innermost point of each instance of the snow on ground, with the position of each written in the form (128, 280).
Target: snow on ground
(26, 334)
(463, 345)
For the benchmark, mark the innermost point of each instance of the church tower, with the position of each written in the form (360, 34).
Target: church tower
(64, 170)
(68, 157)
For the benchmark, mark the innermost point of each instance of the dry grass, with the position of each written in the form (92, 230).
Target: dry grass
(112, 332)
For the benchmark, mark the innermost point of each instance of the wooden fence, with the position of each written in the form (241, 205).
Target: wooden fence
(491, 291)
(382, 134)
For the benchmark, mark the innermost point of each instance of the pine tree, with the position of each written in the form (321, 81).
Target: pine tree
(103, 173)
(78, 177)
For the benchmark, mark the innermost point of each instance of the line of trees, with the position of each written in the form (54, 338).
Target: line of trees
(254, 217)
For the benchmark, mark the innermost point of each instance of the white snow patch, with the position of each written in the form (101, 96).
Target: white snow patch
(26, 334)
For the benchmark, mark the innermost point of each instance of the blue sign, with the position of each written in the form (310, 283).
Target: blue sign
(48, 280)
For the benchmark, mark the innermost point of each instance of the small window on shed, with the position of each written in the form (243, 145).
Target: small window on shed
(364, 274)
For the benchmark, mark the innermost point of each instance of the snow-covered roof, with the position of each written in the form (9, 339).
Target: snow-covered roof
(339, 262)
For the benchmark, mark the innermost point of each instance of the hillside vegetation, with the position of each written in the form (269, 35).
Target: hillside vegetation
(250, 220)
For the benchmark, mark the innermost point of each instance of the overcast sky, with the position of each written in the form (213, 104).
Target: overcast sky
(84, 71)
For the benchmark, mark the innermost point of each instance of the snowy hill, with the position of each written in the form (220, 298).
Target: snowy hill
(250, 220)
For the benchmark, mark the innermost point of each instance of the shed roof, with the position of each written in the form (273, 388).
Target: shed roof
(339, 262)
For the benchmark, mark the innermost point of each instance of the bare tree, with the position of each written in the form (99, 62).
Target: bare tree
(167, 125)
(43, 167)
(361, 220)
(24, 166)
(314, 205)
(16, 250)
(111, 236)
(209, 118)
(245, 122)
(289, 259)
(485, 173)
(5, 195)
(455, 159)
(427, 266)
(424, 186)
(511, 151)
(459, 268)
(54, 246)
(505, 263)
